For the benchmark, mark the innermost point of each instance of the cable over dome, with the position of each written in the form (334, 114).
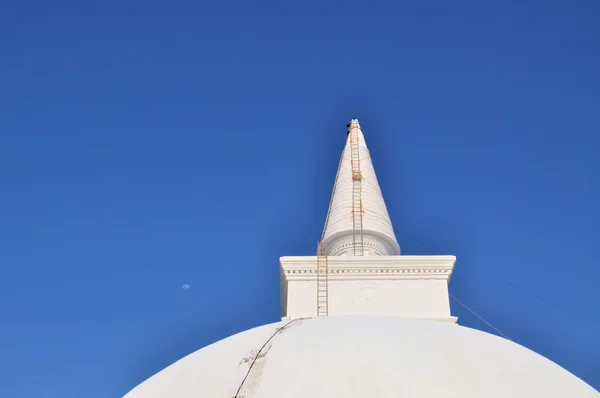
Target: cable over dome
(358, 222)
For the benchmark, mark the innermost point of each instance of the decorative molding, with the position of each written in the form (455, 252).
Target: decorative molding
(347, 260)
(450, 319)
(369, 243)
(389, 274)
(370, 267)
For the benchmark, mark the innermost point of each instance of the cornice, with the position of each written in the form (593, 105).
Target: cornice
(450, 319)
(370, 267)
(373, 273)
(389, 261)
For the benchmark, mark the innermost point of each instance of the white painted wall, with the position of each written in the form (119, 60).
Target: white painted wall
(405, 286)
(414, 299)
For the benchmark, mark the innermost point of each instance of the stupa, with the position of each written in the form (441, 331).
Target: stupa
(361, 320)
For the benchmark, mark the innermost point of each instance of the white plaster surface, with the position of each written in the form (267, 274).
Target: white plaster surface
(405, 286)
(378, 233)
(374, 357)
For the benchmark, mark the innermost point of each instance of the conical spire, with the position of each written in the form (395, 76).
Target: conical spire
(358, 222)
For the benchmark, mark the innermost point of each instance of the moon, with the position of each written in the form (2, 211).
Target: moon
(185, 287)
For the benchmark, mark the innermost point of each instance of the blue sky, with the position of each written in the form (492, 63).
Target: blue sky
(147, 145)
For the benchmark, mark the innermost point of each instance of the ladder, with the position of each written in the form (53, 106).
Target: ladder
(357, 224)
(322, 280)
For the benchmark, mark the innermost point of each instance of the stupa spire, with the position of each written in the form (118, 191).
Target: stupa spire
(358, 222)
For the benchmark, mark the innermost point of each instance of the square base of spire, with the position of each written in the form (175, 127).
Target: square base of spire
(405, 286)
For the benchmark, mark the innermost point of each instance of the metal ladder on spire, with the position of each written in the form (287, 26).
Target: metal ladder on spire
(357, 216)
(322, 280)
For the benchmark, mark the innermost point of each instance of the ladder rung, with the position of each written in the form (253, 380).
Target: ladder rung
(322, 280)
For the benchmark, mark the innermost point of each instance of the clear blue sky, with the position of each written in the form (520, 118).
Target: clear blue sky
(146, 145)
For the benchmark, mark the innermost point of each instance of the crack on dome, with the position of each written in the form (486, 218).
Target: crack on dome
(252, 379)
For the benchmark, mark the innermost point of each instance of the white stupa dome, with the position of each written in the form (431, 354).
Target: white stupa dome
(362, 357)
(361, 320)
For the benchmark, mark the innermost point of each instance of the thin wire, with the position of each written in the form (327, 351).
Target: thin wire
(479, 316)
(543, 299)
(515, 286)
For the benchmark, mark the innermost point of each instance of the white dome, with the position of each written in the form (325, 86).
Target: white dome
(364, 357)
